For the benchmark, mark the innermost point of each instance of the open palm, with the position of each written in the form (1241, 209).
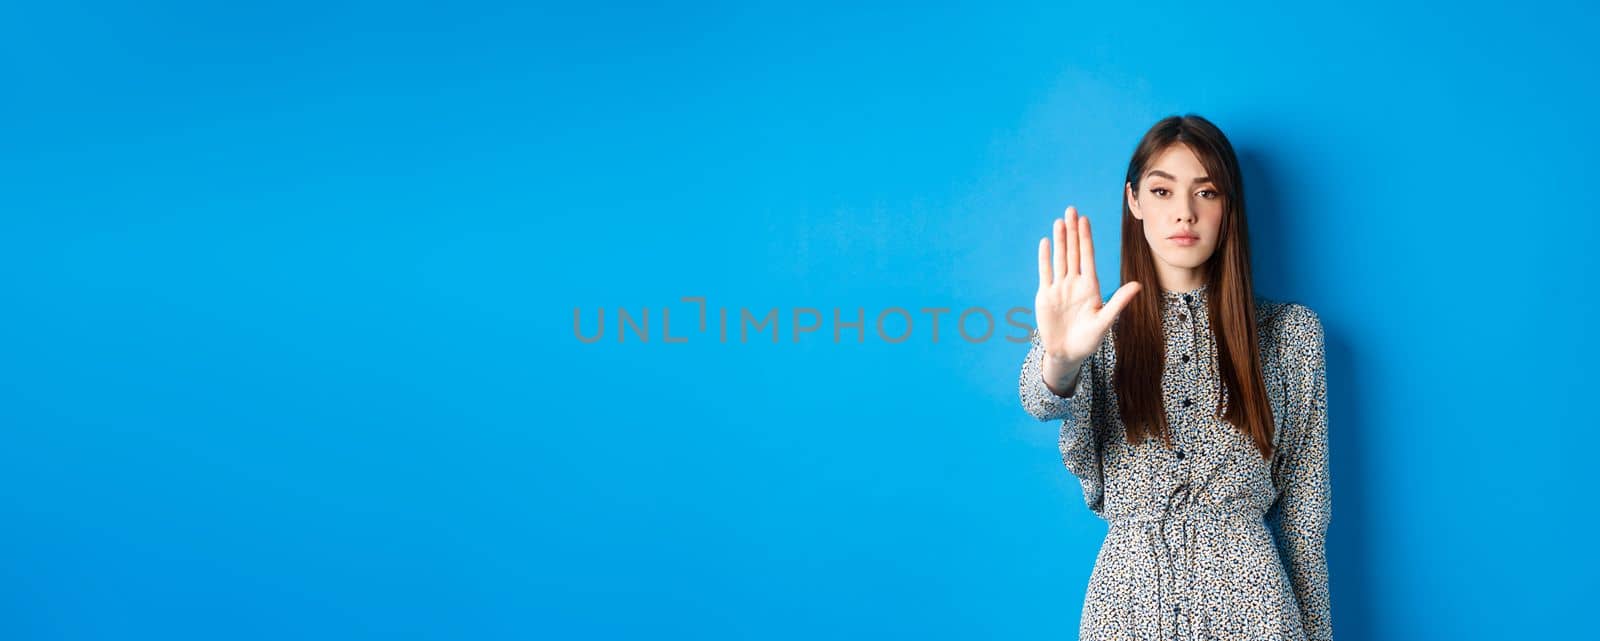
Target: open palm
(1072, 320)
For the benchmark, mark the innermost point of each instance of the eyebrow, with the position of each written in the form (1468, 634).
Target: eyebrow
(1158, 172)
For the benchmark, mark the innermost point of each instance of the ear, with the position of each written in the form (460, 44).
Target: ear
(1133, 200)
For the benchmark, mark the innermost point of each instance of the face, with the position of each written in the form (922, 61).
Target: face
(1182, 214)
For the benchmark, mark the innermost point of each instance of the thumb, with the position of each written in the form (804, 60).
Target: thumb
(1120, 299)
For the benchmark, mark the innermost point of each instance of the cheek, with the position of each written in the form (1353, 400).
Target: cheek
(1211, 217)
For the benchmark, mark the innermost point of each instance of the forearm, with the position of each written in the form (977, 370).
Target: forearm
(1308, 573)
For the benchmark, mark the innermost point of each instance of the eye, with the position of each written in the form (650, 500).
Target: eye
(1159, 191)
(1209, 191)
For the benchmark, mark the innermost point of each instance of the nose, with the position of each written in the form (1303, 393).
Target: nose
(1186, 213)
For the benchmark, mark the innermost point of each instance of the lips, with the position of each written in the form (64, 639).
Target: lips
(1184, 237)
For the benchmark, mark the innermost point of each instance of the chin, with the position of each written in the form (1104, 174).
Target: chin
(1190, 260)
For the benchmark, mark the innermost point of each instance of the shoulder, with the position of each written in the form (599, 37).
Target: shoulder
(1292, 327)
(1284, 316)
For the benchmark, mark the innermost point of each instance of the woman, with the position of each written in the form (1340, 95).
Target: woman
(1196, 421)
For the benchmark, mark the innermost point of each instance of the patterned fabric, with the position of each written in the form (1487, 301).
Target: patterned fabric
(1206, 539)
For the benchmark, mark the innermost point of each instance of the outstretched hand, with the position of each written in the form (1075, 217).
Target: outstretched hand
(1071, 318)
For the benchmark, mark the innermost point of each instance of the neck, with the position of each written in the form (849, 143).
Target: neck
(1179, 279)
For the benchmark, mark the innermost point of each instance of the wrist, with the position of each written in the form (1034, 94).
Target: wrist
(1060, 374)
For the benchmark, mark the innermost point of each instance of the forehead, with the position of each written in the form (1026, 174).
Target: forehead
(1177, 160)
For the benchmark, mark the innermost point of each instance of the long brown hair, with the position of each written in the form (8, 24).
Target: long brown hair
(1141, 345)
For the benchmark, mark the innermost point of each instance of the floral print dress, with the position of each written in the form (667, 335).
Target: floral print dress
(1206, 540)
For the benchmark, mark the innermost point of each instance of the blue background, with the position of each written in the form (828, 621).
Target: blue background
(289, 293)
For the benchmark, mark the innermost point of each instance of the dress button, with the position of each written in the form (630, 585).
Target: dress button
(1180, 455)
(1186, 298)
(1187, 402)
(1182, 316)
(1185, 358)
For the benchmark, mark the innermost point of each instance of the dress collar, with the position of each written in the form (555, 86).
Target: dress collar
(1196, 295)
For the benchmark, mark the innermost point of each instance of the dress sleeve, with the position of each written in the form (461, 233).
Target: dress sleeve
(1082, 419)
(1300, 515)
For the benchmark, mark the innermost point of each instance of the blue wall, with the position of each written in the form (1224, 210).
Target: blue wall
(289, 293)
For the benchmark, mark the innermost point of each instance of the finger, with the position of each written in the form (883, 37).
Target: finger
(1086, 250)
(1059, 253)
(1120, 300)
(1072, 240)
(1044, 262)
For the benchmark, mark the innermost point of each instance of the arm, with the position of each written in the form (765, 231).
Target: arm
(1070, 313)
(1300, 515)
(1082, 421)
